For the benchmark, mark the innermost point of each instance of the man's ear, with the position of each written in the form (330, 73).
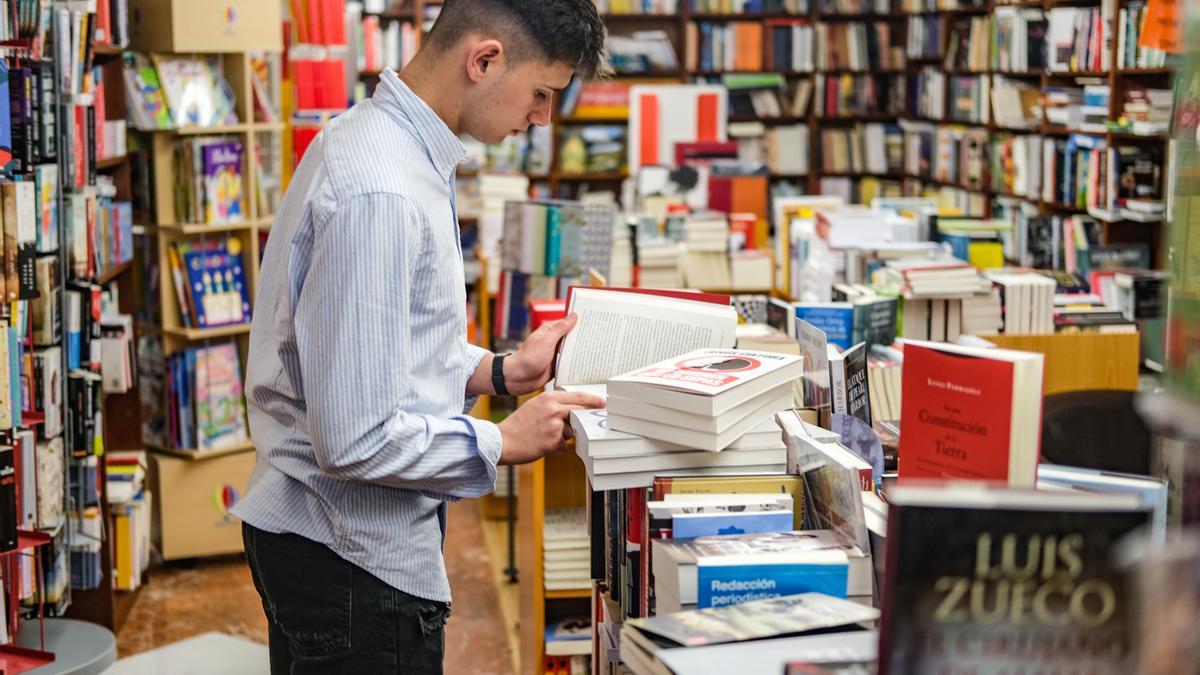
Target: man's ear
(483, 56)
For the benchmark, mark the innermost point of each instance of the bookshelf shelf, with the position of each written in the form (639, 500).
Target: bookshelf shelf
(198, 455)
(111, 162)
(269, 126)
(597, 176)
(1141, 138)
(113, 272)
(861, 17)
(107, 50)
(200, 334)
(578, 594)
(241, 128)
(1076, 73)
(1147, 71)
(200, 228)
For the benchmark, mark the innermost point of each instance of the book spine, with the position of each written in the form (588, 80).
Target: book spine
(553, 239)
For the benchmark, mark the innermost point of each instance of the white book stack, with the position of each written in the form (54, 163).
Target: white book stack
(705, 399)
(615, 460)
(982, 313)
(620, 269)
(1028, 301)
(706, 237)
(659, 264)
(938, 278)
(566, 550)
(750, 271)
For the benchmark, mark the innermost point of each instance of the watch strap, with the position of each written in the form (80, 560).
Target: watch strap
(498, 375)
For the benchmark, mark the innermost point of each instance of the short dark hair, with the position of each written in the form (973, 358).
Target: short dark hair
(566, 31)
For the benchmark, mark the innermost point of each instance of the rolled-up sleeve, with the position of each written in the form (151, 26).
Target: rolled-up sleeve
(361, 378)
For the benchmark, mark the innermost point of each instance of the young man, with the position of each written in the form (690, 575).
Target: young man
(359, 370)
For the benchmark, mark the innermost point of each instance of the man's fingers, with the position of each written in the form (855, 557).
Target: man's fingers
(580, 399)
(564, 325)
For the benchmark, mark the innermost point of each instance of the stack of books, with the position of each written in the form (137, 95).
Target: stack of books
(936, 278)
(706, 399)
(648, 644)
(723, 570)
(659, 264)
(1028, 301)
(566, 550)
(616, 460)
(706, 237)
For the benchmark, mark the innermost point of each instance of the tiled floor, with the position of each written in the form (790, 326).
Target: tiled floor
(217, 595)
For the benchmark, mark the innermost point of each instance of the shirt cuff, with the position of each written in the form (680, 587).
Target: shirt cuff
(489, 442)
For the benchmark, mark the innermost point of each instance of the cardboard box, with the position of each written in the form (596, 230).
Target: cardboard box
(192, 502)
(205, 26)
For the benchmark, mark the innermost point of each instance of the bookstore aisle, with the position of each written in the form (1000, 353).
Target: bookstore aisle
(893, 306)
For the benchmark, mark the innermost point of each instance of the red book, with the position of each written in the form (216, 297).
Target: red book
(316, 32)
(970, 413)
(544, 311)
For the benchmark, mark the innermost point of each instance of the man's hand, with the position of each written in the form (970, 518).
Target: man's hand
(540, 426)
(528, 369)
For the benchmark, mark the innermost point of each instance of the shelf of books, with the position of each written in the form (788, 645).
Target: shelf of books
(208, 130)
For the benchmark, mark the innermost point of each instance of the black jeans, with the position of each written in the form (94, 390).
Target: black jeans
(327, 615)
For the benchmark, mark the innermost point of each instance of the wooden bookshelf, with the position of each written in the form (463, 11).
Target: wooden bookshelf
(1117, 79)
(164, 231)
(122, 412)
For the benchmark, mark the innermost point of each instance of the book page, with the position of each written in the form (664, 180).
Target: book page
(618, 332)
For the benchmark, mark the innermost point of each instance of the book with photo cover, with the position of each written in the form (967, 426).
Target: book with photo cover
(756, 620)
(223, 199)
(196, 93)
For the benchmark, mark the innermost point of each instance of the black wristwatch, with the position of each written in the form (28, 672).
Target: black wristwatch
(498, 375)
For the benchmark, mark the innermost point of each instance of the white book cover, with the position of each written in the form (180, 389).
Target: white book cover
(711, 372)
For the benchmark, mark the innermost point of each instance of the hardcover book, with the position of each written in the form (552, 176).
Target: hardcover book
(220, 408)
(970, 413)
(223, 184)
(755, 620)
(1022, 581)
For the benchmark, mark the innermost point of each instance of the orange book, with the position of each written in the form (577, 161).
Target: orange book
(748, 195)
(748, 39)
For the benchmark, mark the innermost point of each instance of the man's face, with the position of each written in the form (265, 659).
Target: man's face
(522, 95)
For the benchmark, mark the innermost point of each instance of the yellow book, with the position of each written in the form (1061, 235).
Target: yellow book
(986, 255)
(126, 567)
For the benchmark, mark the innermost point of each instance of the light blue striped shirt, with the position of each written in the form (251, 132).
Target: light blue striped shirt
(358, 367)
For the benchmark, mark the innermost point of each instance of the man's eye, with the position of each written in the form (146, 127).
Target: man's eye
(541, 96)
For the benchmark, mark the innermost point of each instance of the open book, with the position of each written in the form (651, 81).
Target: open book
(623, 329)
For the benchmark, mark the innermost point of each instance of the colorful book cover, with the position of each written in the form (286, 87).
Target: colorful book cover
(835, 319)
(689, 525)
(597, 238)
(553, 238)
(1011, 589)
(6, 148)
(45, 178)
(957, 416)
(220, 408)
(570, 242)
(223, 185)
(720, 585)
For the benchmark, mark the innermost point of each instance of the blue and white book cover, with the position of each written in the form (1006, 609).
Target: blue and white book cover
(691, 525)
(729, 583)
(835, 319)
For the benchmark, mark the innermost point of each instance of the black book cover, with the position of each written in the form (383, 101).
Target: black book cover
(1040, 241)
(1139, 173)
(857, 396)
(48, 136)
(8, 500)
(1006, 590)
(596, 515)
(90, 143)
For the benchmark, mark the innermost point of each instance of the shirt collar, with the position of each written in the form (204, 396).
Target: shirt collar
(443, 147)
